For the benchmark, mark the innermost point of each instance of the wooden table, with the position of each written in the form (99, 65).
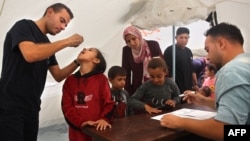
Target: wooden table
(142, 128)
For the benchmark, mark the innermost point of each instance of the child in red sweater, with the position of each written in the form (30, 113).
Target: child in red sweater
(86, 99)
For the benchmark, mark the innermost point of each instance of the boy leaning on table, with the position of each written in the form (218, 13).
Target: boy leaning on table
(158, 93)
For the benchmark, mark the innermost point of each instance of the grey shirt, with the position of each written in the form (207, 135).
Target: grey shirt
(154, 95)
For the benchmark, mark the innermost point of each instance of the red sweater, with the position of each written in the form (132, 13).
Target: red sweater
(85, 98)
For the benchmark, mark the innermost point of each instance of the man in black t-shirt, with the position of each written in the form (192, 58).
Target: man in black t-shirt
(27, 56)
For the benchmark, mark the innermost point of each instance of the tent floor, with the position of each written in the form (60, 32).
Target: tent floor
(53, 133)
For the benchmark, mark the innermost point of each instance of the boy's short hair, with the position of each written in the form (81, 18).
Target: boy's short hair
(116, 71)
(182, 30)
(157, 62)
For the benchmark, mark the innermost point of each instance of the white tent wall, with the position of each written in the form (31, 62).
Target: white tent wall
(102, 22)
(236, 12)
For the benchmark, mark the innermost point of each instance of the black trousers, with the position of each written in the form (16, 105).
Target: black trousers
(18, 126)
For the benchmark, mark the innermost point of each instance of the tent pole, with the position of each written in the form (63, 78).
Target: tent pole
(173, 54)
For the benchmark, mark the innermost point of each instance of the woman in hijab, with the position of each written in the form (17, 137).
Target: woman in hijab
(135, 57)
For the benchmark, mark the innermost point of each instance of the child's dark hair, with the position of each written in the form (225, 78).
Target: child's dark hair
(207, 91)
(100, 67)
(116, 71)
(211, 67)
(157, 62)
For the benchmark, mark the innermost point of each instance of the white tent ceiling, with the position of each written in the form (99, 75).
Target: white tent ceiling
(102, 22)
(159, 13)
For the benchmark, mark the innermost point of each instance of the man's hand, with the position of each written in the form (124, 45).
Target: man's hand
(75, 40)
(195, 98)
(170, 121)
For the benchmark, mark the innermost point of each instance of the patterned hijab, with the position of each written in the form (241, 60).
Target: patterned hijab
(144, 54)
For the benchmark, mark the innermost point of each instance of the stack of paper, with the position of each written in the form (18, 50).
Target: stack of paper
(189, 113)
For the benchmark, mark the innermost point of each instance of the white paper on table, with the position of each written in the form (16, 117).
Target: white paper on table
(189, 113)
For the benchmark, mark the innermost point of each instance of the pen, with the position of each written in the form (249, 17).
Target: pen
(181, 95)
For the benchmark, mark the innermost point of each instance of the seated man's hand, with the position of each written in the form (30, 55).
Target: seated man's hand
(195, 98)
